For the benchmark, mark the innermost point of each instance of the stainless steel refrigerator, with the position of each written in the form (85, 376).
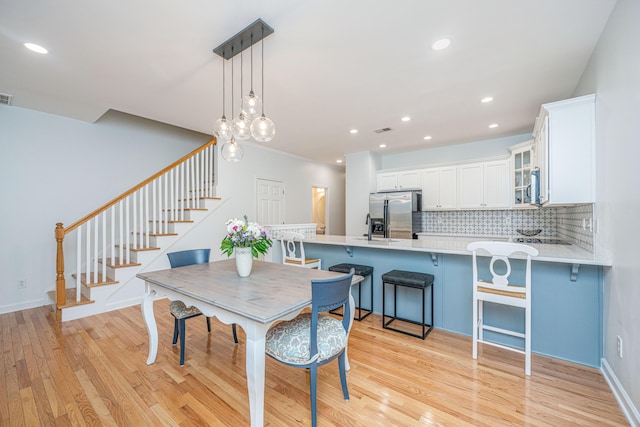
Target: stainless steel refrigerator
(392, 213)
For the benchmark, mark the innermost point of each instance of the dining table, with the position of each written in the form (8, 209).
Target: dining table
(271, 293)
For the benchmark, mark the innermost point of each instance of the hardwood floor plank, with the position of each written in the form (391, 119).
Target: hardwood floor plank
(93, 371)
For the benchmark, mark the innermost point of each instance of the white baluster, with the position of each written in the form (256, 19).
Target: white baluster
(104, 245)
(87, 265)
(78, 263)
(127, 230)
(146, 215)
(96, 269)
(112, 241)
(134, 220)
(120, 233)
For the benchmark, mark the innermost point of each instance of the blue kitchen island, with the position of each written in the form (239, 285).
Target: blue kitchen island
(567, 289)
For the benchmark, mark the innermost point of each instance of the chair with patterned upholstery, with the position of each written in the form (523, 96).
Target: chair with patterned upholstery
(293, 251)
(500, 290)
(313, 339)
(178, 309)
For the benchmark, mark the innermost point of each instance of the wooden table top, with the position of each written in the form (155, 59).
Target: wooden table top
(270, 292)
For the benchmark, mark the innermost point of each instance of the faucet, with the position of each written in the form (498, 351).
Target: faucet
(369, 226)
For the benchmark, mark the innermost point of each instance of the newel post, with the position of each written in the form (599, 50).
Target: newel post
(61, 287)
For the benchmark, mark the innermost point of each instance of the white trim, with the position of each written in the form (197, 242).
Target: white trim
(24, 305)
(628, 409)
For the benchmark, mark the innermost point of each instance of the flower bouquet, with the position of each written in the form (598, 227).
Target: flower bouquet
(244, 234)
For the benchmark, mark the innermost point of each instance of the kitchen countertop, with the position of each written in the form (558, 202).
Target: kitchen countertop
(457, 245)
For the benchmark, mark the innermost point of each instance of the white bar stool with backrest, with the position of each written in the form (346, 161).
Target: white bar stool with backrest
(500, 291)
(292, 245)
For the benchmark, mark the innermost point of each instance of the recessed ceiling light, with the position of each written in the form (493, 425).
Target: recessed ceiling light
(428, 137)
(441, 44)
(354, 131)
(486, 99)
(493, 125)
(35, 48)
(339, 161)
(405, 118)
(382, 145)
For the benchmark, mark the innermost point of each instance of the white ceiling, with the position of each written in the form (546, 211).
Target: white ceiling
(330, 66)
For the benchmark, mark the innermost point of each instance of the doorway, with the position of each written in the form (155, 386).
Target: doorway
(319, 208)
(270, 202)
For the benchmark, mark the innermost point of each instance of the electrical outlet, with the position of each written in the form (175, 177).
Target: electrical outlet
(22, 283)
(619, 346)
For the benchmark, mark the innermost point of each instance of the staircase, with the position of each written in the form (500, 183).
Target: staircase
(99, 256)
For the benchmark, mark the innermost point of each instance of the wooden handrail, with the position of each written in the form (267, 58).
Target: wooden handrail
(136, 188)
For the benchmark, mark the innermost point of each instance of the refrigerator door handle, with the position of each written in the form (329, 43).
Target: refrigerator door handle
(386, 218)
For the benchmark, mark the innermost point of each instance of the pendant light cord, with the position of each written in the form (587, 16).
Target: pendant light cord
(241, 74)
(262, 41)
(232, 95)
(223, 85)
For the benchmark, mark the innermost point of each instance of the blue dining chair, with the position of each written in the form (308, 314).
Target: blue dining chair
(179, 309)
(313, 339)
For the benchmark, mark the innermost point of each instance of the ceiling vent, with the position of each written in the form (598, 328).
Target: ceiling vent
(383, 130)
(5, 99)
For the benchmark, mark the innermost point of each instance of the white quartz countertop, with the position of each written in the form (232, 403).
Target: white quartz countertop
(569, 254)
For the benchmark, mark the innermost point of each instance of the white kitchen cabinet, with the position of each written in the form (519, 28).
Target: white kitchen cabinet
(484, 185)
(522, 163)
(397, 181)
(565, 141)
(439, 188)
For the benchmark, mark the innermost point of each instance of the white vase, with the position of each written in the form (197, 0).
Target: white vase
(244, 261)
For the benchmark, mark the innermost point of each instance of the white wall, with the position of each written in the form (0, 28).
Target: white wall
(455, 153)
(56, 169)
(360, 181)
(613, 74)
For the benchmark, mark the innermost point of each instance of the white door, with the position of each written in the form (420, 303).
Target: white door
(269, 202)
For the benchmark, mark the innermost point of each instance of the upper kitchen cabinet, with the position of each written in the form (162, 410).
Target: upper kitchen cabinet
(397, 181)
(565, 144)
(439, 188)
(484, 185)
(522, 162)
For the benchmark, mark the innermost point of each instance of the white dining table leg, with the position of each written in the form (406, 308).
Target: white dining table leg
(150, 320)
(255, 366)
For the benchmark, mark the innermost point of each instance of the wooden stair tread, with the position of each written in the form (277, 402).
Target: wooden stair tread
(71, 299)
(117, 263)
(172, 221)
(132, 249)
(100, 282)
(157, 234)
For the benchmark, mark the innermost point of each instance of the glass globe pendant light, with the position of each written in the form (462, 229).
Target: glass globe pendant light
(222, 128)
(232, 151)
(262, 128)
(251, 103)
(241, 124)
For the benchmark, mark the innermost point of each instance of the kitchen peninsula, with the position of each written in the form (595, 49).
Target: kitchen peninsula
(567, 288)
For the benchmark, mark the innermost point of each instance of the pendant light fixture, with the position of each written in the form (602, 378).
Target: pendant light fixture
(232, 151)
(241, 124)
(241, 128)
(262, 128)
(251, 103)
(222, 128)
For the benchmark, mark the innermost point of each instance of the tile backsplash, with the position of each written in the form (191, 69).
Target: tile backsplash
(563, 223)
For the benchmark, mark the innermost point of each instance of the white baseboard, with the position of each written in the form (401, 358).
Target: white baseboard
(627, 406)
(24, 305)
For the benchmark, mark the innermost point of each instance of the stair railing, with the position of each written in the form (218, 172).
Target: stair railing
(107, 236)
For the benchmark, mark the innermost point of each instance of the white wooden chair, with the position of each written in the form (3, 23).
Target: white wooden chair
(293, 251)
(500, 291)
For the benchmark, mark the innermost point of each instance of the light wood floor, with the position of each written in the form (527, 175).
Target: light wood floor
(92, 372)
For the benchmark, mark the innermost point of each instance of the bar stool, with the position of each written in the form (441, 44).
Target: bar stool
(500, 290)
(288, 243)
(360, 270)
(409, 279)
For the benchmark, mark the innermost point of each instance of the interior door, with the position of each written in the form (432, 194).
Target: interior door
(270, 202)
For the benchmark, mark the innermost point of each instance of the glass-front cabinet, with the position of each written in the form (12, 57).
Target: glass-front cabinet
(522, 163)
